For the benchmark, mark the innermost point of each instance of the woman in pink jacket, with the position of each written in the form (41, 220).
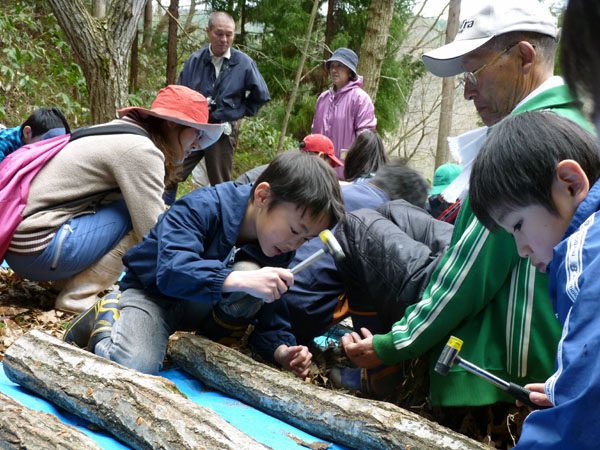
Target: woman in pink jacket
(344, 110)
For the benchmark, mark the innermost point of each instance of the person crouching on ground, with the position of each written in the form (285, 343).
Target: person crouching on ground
(100, 195)
(548, 198)
(182, 268)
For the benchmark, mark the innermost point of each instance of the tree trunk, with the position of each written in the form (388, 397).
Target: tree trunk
(189, 26)
(372, 50)
(144, 411)
(329, 29)
(172, 43)
(162, 24)
(329, 32)
(24, 428)
(147, 39)
(134, 65)
(356, 422)
(101, 48)
(243, 18)
(441, 152)
(99, 9)
(290, 105)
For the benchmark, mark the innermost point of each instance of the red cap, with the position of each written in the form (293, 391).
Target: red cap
(319, 143)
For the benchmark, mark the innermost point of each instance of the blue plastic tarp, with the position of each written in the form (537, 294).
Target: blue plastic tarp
(268, 430)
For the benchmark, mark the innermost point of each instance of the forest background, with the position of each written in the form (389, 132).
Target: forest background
(39, 67)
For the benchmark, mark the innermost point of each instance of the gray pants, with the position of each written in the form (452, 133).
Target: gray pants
(139, 337)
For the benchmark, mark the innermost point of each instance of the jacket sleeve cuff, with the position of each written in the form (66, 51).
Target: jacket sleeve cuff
(217, 284)
(383, 344)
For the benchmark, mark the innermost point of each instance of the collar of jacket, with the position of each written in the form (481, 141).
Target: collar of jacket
(232, 61)
(351, 85)
(552, 97)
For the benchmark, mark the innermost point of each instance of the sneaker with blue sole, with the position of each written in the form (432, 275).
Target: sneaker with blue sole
(94, 324)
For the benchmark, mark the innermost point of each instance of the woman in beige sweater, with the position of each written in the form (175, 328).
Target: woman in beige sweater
(101, 194)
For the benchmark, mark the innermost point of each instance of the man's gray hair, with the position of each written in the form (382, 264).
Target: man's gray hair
(213, 17)
(545, 45)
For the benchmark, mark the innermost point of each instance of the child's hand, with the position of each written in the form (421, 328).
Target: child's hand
(538, 395)
(268, 283)
(295, 359)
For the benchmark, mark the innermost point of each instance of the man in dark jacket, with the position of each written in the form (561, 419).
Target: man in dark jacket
(234, 87)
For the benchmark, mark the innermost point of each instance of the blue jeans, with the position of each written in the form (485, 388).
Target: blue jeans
(139, 336)
(78, 243)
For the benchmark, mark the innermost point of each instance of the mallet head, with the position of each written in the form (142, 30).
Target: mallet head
(332, 246)
(448, 355)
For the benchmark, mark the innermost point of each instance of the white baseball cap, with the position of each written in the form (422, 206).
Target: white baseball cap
(491, 19)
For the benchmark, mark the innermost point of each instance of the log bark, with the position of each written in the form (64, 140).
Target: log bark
(352, 421)
(144, 411)
(23, 428)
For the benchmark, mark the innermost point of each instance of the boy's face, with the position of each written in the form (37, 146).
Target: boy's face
(284, 228)
(536, 231)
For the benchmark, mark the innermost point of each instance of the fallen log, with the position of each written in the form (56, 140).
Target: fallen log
(144, 411)
(22, 428)
(348, 420)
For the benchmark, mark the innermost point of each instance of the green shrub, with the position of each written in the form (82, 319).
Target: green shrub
(38, 71)
(257, 143)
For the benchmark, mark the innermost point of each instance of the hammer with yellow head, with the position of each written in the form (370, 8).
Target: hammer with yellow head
(449, 357)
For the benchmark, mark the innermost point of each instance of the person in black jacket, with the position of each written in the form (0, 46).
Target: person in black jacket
(234, 88)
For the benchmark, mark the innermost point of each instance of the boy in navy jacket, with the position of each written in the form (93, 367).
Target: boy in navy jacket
(536, 177)
(183, 266)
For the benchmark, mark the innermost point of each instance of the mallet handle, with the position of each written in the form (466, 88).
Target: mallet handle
(518, 392)
(308, 261)
(521, 394)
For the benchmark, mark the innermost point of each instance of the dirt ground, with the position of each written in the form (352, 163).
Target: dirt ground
(27, 305)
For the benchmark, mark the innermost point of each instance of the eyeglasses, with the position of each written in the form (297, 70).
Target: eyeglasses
(471, 77)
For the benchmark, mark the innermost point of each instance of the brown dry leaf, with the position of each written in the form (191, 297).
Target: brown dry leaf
(10, 332)
(139, 421)
(48, 317)
(317, 445)
(10, 329)
(9, 312)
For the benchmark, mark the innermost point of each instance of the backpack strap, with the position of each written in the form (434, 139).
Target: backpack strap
(100, 130)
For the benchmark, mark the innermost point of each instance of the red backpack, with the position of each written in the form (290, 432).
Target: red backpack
(18, 170)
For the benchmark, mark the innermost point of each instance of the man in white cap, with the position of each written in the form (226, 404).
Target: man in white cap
(482, 291)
